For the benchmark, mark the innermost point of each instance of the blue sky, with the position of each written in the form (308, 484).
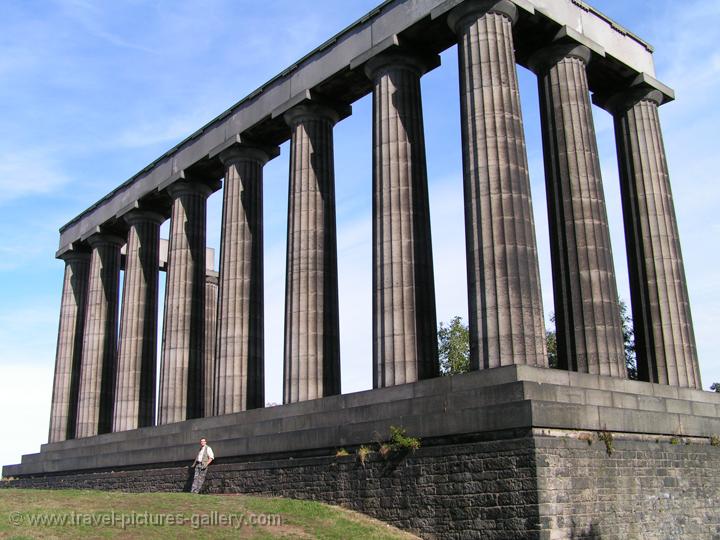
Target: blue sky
(93, 91)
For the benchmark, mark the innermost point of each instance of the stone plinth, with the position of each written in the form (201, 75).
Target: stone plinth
(512, 452)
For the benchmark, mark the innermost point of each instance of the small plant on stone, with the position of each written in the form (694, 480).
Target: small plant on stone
(715, 440)
(363, 453)
(342, 453)
(607, 438)
(587, 437)
(385, 450)
(399, 440)
(675, 440)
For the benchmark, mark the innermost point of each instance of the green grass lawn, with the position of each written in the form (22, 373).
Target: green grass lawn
(100, 514)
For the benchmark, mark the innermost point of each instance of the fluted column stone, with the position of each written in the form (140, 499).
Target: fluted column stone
(99, 354)
(183, 348)
(664, 336)
(137, 349)
(404, 320)
(312, 335)
(209, 363)
(240, 383)
(69, 346)
(505, 306)
(587, 313)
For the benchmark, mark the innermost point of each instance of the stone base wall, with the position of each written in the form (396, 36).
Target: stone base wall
(536, 484)
(445, 489)
(650, 488)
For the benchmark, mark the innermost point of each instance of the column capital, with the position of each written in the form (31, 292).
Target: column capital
(622, 98)
(477, 8)
(185, 187)
(102, 238)
(311, 109)
(246, 152)
(75, 255)
(140, 216)
(401, 58)
(544, 59)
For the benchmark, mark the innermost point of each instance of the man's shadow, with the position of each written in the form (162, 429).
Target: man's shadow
(190, 478)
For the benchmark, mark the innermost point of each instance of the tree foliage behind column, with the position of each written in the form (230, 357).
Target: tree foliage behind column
(454, 347)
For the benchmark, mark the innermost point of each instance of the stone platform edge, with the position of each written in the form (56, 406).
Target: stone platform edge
(501, 399)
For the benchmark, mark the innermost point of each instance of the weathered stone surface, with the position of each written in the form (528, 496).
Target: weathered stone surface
(507, 398)
(404, 320)
(312, 327)
(662, 320)
(183, 351)
(99, 353)
(240, 381)
(66, 381)
(644, 489)
(503, 485)
(137, 349)
(589, 332)
(505, 306)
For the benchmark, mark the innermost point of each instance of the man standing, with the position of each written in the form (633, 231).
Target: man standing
(204, 458)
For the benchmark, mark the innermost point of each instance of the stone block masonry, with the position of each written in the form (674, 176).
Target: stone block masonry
(664, 488)
(512, 452)
(524, 485)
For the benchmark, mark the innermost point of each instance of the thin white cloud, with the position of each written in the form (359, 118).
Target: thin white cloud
(94, 20)
(29, 172)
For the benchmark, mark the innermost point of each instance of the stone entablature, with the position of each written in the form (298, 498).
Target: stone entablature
(619, 56)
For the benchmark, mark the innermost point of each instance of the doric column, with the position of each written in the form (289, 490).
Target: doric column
(137, 350)
(664, 337)
(211, 311)
(504, 300)
(183, 352)
(312, 335)
(587, 313)
(404, 320)
(99, 353)
(240, 382)
(69, 346)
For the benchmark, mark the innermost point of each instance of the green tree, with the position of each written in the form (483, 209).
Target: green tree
(628, 332)
(454, 347)
(551, 341)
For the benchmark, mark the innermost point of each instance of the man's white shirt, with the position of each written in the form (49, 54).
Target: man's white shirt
(209, 451)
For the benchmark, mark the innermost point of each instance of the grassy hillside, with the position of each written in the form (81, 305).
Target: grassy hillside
(31, 513)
